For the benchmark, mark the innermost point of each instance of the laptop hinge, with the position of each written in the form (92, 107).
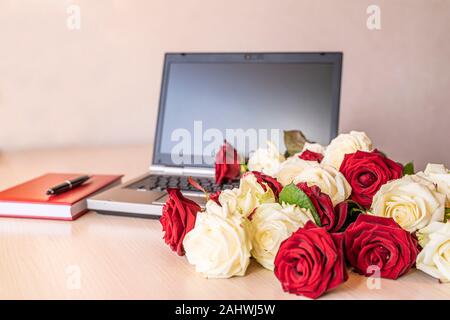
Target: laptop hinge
(177, 171)
(198, 172)
(182, 171)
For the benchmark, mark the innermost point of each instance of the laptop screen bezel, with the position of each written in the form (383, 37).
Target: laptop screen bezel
(334, 58)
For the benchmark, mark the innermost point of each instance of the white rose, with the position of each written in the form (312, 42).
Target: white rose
(440, 175)
(226, 209)
(314, 147)
(266, 160)
(219, 247)
(328, 179)
(251, 194)
(343, 144)
(411, 203)
(228, 199)
(434, 259)
(424, 180)
(291, 168)
(271, 224)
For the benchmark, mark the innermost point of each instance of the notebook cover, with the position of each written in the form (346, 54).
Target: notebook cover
(33, 191)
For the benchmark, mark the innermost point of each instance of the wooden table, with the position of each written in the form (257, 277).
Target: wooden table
(106, 257)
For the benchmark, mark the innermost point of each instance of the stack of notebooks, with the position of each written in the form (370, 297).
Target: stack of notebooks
(29, 199)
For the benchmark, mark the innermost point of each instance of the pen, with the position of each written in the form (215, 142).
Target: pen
(67, 185)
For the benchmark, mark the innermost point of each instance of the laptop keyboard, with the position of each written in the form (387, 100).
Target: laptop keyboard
(162, 182)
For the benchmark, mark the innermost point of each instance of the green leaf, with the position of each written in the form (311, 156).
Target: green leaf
(294, 140)
(291, 194)
(447, 214)
(408, 168)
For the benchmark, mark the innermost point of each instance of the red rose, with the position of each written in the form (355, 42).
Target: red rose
(347, 211)
(366, 172)
(311, 156)
(270, 181)
(341, 216)
(178, 218)
(311, 262)
(330, 218)
(377, 241)
(227, 164)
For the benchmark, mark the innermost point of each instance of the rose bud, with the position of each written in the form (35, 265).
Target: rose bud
(311, 262)
(381, 243)
(311, 156)
(214, 197)
(265, 180)
(178, 218)
(227, 164)
(367, 172)
(330, 218)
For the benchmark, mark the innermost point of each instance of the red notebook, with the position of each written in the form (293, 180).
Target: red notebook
(29, 199)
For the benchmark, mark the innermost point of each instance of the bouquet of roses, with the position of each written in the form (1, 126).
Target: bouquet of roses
(313, 213)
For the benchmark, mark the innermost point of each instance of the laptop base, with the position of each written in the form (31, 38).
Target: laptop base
(126, 201)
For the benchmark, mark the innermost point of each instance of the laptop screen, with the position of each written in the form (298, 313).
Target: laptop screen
(246, 100)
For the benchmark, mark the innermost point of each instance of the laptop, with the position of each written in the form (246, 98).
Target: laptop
(246, 99)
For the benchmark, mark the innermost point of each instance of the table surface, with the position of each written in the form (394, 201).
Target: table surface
(107, 257)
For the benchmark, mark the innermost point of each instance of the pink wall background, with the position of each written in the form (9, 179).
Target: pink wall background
(100, 85)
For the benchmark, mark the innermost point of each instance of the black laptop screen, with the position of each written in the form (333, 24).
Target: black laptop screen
(208, 102)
